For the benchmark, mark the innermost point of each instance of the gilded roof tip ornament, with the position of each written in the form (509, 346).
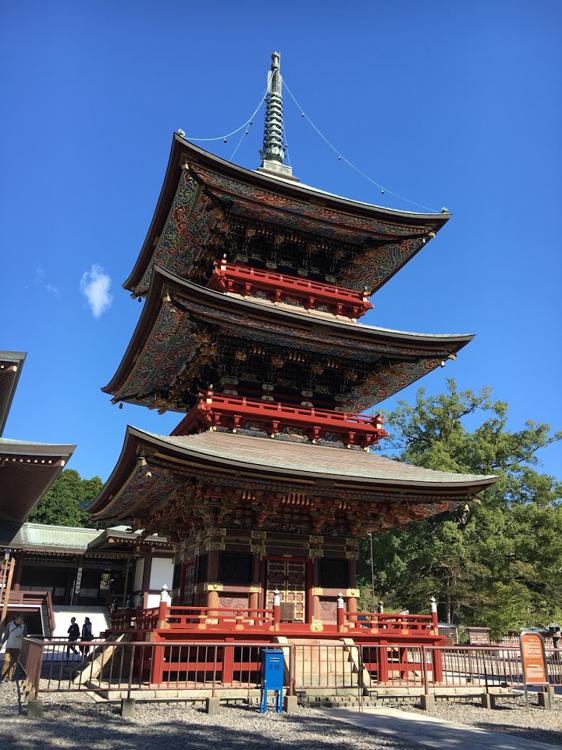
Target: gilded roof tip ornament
(273, 151)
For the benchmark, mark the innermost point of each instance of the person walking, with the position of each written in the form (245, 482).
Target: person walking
(73, 635)
(15, 632)
(86, 635)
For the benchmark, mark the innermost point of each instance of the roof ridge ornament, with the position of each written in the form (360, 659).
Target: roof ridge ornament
(273, 152)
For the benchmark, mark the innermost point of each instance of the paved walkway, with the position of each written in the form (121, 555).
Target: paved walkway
(427, 731)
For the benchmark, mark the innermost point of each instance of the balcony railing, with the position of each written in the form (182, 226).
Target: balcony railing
(280, 287)
(213, 410)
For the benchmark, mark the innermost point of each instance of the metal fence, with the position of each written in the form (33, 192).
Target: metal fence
(118, 669)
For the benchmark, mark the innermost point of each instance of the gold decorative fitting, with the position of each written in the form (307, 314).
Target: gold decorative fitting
(314, 553)
(213, 587)
(316, 626)
(317, 591)
(353, 593)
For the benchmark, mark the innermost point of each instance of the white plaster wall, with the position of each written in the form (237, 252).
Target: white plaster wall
(152, 601)
(161, 572)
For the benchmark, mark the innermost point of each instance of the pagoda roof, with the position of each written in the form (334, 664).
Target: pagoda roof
(181, 223)
(26, 472)
(127, 489)
(11, 364)
(166, 334)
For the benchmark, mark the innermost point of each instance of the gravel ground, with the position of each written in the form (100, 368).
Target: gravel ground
(77, 721)
(511, 716)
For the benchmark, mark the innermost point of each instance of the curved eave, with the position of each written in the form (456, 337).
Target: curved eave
(9, 382)
(37, 450)
(27, 470)
(164, 281)
(137, 442)
(182, 149)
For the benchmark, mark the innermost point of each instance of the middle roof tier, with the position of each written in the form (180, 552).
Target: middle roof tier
(190, 337)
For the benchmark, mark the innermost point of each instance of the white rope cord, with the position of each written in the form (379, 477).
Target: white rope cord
(341, 157)
(225, 137)
(244, 134)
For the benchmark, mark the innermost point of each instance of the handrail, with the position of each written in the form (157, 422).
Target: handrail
(211, 407)
(228, 277)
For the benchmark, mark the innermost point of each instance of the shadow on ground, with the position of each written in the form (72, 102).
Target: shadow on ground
(100, 725)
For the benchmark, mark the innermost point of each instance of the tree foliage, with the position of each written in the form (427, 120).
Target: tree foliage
(496, 562)
(64, 502)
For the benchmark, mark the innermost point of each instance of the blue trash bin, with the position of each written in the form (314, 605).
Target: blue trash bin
(272, 670)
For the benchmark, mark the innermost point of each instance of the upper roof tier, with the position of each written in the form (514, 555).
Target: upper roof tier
(189, 337)
(209, 206)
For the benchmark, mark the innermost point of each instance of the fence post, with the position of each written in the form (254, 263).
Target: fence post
(427, 699)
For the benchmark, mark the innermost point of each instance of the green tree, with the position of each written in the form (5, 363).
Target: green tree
(497, 562)
(64, 502)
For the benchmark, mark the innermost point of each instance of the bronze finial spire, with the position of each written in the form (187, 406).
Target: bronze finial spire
(273, 151)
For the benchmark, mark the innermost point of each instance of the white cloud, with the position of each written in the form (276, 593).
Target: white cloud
(52, 289)
(95, 285)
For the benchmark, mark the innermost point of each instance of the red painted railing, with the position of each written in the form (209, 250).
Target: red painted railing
(215, 410)
(389, 623)
(127, 668)
(244, 280)
(189, 619)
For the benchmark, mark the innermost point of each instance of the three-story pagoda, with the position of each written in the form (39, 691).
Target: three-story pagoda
(254, 285)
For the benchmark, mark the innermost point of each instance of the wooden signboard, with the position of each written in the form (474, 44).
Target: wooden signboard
(478, 636)
(533, 658)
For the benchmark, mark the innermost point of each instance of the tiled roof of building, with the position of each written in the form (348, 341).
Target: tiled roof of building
(44, 537)
(55, 537)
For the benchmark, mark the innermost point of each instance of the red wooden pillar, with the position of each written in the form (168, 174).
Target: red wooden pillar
(309, 609)
(383, 663)
(228, 662)
(340, 614)
(437, 665)
(16, 582)
(157, 675)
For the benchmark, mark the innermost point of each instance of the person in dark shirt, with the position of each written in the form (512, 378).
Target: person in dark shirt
(73, 635)
(86, 635)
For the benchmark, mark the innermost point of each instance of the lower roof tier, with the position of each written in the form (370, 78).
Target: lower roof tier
(174, 485)
(190, 337)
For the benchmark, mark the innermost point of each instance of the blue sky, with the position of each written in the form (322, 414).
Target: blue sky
(448, 103)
